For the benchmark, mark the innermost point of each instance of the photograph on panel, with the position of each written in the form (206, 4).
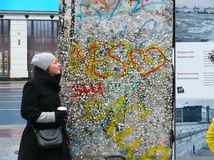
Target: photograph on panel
(194, 20)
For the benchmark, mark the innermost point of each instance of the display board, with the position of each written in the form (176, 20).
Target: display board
(194, 45)
(194, 76)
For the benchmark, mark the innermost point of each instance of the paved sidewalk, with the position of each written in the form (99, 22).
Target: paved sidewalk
(195, 158)
(203, 154)
(10, 136)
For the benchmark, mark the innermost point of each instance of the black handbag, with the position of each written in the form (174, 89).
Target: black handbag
(48, 138)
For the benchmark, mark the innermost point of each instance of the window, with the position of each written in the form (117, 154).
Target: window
(42, 37)
(4, 47)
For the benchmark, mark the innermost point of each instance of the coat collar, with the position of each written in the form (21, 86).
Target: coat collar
(44, 78)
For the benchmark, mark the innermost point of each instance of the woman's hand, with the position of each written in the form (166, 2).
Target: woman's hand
(61, 116)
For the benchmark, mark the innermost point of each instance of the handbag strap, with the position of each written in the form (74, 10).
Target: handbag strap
(36, 130)
(33, 128)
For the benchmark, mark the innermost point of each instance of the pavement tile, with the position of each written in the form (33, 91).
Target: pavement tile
(10, 136)
(10, 132)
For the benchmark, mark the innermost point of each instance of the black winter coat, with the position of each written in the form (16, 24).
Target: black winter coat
(40, 95)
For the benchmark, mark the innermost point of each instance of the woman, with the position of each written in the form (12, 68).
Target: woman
(40, 101)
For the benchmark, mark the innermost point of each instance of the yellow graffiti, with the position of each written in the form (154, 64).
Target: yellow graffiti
(124, 65)
(75, 55)
(153, 150)
(130, 148)
(93, 62)
(119, 102)
(118, 116)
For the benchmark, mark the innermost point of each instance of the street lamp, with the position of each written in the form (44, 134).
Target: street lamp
(26, 16)
(51, 16)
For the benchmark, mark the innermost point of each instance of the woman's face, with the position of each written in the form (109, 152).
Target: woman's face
(54, 67)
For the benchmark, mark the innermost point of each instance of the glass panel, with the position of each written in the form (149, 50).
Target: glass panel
(1, 64)
(4, 47)
(44, 38)
(5, 62)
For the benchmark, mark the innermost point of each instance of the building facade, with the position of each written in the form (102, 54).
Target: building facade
(26, 29)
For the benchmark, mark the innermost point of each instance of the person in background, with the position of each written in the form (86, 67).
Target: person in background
(210, 136)
(40, 100)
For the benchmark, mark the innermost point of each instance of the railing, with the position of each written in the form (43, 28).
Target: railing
(189, 129)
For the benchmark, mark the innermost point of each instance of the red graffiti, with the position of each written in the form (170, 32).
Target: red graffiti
(147, 60)
(104, 5)
(142, 2)
(80, 90)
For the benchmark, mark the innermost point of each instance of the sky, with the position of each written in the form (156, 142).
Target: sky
(193, 3)
(29, 5)
(192, 102)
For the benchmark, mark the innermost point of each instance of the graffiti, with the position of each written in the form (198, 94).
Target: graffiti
(138, 1)
(151, 151)
(117, 117)
(121, 67)
(119, 114)
(148, 27)
(147, 60)
(101, 8)
(98, 7)
(80, 90)
(104, 4)
(89, 11)
(150, 7)
(117, 78)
